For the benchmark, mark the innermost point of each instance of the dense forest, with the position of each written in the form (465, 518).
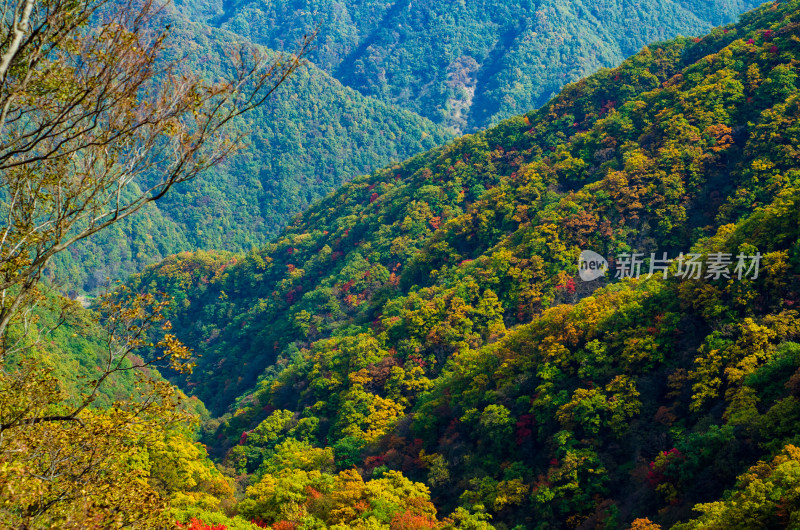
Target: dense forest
(585, 316)
(377, 68)
(418, 350)
(313, 136)
(466, 65)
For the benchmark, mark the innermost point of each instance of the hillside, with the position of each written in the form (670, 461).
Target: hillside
(423, 335)
(310, 138)
(467, 65)
(358, 106)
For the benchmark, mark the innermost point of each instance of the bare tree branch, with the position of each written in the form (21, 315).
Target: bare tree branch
(95, 124)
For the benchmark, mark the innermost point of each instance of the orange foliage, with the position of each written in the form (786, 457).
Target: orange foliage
(410, 521)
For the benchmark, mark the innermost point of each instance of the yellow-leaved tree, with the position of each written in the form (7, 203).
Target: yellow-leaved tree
(95, 123)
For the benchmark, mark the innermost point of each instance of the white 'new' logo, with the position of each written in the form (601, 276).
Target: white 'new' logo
(591, 266)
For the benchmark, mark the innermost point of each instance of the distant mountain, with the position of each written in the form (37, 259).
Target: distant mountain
(466, 64)
(310, 138)
(429, 319)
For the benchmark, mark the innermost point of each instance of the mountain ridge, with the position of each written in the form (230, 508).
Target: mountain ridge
(374, 46)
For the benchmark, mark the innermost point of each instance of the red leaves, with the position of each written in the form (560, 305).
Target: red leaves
(607, 107)
(293, 295)
(525, 427)
(662, 467)
(312, 493)
(568, 286)
(418, 360)
(371, 462)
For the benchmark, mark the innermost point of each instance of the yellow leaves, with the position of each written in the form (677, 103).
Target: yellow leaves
(752, 349)
(762, 165)
(567, 165)
(103, 470)
(180, 469)
(360, 378)
(402, 384)
(785, 325)
(753, 77)
(178, 355)
(294, 455)
(615, 182)
(416, 382)
(365, 415)
(705, 373)
(106, 472)
(283, 496)
(636, 162)
(550, 234)
(732, 362)
(382, 414)
(511, 493)
(743, 406)
(348, 492)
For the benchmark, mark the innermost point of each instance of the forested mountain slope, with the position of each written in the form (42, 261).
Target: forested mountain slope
(311, 137)
(462, 66)
(429, 319)
(467, 64)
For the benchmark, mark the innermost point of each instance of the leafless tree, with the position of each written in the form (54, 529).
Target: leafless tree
(95, 123)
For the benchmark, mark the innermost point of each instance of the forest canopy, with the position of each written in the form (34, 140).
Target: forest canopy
(429, 319)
